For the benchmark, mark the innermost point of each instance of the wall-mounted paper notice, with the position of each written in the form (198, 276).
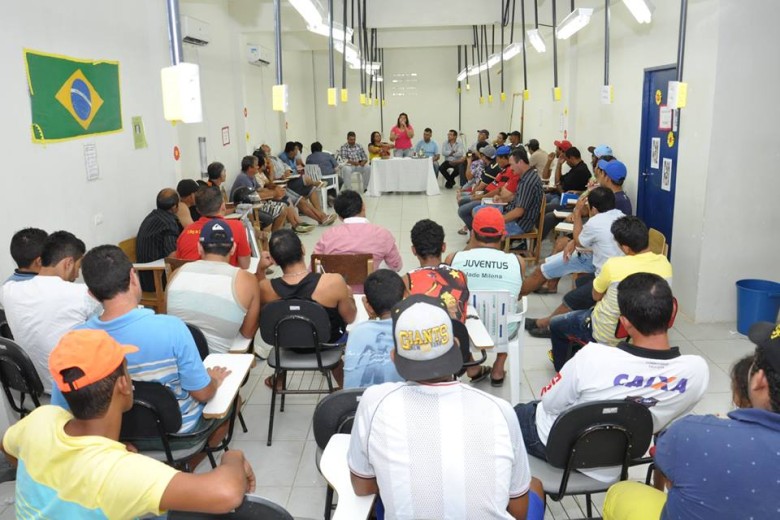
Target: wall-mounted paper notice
(91, 161)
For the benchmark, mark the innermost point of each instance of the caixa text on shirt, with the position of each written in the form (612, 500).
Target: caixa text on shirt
(486, 264)
(669, 384)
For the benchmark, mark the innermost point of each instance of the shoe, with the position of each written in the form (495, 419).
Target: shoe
(530, 324)
(302, 229)
(540, 333)
(545, 290)
(449, 185)
(330, 219)
(496, 382)
(518, 245)
(483, 373)
(463, 231)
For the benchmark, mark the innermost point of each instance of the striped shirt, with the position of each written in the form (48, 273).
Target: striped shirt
(528, 195)
(203, 293)
(354, 153)
(443, 450)
(156, 239)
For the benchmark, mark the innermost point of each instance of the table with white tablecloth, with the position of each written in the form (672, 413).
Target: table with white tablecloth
(402, 175)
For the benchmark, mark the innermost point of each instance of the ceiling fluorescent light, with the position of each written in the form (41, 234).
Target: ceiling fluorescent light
(473, 71)
(641, 9)
(324, 30)
(462, 74)
(493, 60)
(310, 10)
(576, 20)
(536, 40)
(512, 50)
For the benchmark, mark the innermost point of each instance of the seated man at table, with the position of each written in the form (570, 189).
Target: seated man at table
(26, 249)
(717, 467)
(460, 449)
(187, 213)
(166, 351)
(71, 465)
(358, 235)
(40, 310)
(454, 159)
(211, 206)
(157, 234)
(367, 355)
(648, 370)
(222, 300)
(574, 329)
(429, 148)
(357, 161)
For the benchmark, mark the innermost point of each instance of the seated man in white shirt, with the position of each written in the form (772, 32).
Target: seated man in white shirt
(43, 308)
(647, 370)
(455, 464)
(220, 299)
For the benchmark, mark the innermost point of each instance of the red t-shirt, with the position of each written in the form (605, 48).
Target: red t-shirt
(187, 243)
(507, 178)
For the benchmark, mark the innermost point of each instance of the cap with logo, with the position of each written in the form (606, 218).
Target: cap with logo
(425, 346)
(615, 170)
(600, 150)
(563, 145)
(503, 150)
(766, 335)
(489, 222)
(216, 232)
(93, 352)
(488, 151)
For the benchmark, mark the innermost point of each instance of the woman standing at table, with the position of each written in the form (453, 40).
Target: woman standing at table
(377, 149)
(401, 134)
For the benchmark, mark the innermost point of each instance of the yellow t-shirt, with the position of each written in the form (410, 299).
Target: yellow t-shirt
(606, 313)
(60, 476)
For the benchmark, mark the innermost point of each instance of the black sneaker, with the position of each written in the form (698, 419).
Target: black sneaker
(530, 323)
(540, 333)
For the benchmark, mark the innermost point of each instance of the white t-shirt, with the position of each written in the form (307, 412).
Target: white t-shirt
(597, 236)
(40, 311)
(668, 383)
(439, 451)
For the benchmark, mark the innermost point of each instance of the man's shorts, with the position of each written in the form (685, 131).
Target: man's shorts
(556, 267)
(299, 187)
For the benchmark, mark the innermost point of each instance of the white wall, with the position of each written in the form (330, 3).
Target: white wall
(46, 186)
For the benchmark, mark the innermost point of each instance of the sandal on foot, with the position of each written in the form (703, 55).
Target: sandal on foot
(279, 382)
(497, 381)
(463, 231)
(545, 290)
(530, 323)
(483, 373)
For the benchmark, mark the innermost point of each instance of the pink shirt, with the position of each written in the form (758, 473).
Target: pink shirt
(358, 235)
(402, 140)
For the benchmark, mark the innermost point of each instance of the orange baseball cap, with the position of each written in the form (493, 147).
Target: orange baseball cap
(489, 222)
(94, 352)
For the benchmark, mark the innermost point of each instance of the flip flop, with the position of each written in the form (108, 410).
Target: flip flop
(545, 290)
(483, 373)
(496, 382)
(530, 324)
(463, 231)
(540, 333)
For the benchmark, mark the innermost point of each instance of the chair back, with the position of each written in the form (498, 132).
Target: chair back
(172, 263)
(251, 508)
(200, 340)
(354, 268)
(313, 172)
(18, 373)
(600, 434)
(155, 412)
(5, 330)
(495, 309)
(294, 324)
(335, 413)
(128, 248)
(657, 242)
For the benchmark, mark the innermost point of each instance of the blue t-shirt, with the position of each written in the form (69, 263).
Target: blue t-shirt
(722, 468)
(367, 357)
(167, 354)
(288, 160)
(19, 276)
(243, 181)
(623, 203)
(430, 148)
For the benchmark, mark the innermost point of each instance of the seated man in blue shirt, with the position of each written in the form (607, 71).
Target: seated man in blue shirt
(429, 148)
(167, 353)
(367, 357)
(718, 467)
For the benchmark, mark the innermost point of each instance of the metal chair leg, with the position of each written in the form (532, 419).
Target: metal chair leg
(328, 502)
(284, 387)
(588, 505)
(243, 423)
(273, 406)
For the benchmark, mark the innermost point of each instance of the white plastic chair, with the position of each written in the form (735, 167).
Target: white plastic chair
(496, 310)
(313, 171)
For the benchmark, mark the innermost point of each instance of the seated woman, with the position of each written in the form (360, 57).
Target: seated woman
(377, 148)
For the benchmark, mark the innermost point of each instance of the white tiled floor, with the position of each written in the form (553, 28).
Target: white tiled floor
(286, 471)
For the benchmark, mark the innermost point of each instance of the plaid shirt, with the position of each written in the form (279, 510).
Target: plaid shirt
(354, 153)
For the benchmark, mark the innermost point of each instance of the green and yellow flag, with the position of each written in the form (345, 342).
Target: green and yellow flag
(72, 98)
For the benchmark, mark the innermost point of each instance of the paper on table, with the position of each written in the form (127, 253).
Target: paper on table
(561, 214)
(565, 227)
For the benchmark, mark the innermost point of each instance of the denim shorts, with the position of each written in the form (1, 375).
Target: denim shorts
(556, 267)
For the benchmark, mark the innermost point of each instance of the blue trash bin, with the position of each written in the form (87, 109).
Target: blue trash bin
(757, 300)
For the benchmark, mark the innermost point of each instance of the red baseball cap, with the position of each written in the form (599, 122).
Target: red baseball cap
(93, 352)
(563, 145)
(489, 222)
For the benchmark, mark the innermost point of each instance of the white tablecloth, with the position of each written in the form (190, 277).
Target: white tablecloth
(402, 174)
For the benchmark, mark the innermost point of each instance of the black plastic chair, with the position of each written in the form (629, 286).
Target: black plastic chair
(297, 330)
(460, 331)
(18, 373)
(251, 508)
(592, 435)
(335, 413)
(5, 329)
(153, 423)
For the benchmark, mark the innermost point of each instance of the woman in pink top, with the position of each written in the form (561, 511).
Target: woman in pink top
(401, 134)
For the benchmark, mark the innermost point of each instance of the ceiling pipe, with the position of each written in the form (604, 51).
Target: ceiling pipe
(174, 32)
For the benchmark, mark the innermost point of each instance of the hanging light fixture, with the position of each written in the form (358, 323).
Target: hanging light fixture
(642, 10)
(317, 20)
(338, 31)
(576, 20)
(536, 40)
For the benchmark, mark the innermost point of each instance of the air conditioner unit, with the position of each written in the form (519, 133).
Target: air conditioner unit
(257, 55)
(194, 31)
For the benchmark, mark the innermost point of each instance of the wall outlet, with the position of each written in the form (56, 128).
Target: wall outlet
(98, 219)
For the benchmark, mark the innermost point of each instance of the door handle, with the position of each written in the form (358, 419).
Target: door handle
(647, 174)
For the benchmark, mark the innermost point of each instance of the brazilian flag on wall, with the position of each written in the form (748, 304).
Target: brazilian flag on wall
(72, 98)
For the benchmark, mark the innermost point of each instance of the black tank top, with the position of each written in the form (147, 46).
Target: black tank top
(303, 290)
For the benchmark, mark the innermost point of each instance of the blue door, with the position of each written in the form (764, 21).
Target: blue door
(658, 153)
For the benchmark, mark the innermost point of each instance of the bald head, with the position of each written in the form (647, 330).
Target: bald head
(167, 199)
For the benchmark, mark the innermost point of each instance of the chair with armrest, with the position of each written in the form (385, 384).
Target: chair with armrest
(298, 331)
(18, 374)
(354, 268)
(314, 172)
(172, 263)
(335, 413)
(535, 235)
(657, 242)
(153, 299)
(253, 507)
(600, 434)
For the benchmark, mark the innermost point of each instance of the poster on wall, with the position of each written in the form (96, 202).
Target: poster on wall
(139, 134)
(71, 97)
(655, 152)
(664, 118)
(666, 175)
